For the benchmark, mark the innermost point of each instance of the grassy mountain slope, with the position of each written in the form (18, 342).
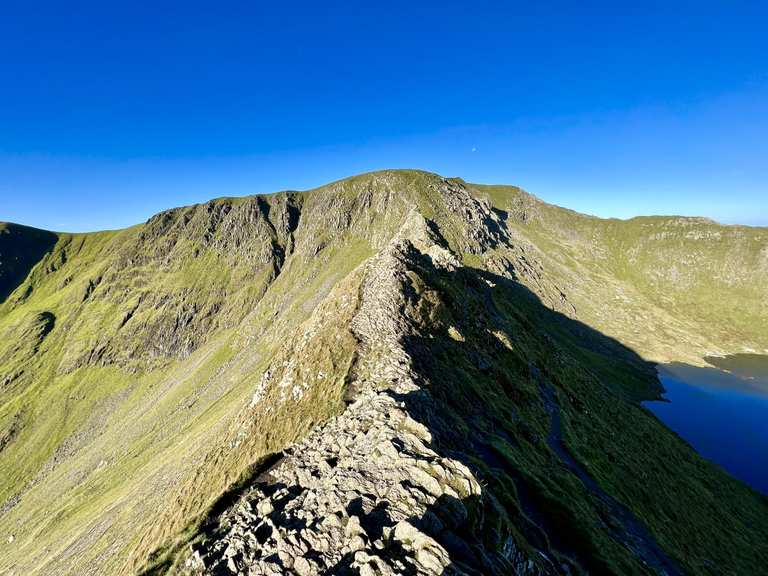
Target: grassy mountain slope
(145, 371)
(671, 287)
(20, 249)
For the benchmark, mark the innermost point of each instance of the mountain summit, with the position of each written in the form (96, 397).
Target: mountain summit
(397, 373)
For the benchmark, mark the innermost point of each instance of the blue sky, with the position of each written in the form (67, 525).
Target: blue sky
(112, 111)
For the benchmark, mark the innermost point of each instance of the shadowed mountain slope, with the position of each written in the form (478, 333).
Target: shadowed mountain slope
(21, 247)
(449, 375)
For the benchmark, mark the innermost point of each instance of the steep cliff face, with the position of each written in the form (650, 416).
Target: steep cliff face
(395, 373)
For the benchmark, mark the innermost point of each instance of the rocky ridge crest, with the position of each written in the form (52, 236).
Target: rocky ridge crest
(368, 492)
(451, 371)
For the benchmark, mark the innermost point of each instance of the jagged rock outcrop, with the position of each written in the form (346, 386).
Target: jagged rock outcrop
(367, 493)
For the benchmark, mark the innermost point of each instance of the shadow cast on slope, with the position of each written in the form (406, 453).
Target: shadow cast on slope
(492, 378)
(576, 477)
(162, 560)
(492, 407)
(21, 247)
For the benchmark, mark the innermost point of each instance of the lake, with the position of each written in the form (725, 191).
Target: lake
(722, 412)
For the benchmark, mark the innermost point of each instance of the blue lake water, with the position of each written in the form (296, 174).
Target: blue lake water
(722, 412)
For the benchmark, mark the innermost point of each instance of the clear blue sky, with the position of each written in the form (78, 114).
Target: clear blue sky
(112, 111)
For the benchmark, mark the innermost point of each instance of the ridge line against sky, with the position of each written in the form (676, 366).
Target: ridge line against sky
(115, 113)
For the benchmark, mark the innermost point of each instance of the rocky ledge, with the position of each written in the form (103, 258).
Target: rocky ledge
(368, 492)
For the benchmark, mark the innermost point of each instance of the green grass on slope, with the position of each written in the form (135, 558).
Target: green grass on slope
(275, 421)
(21, 248)
(492, 411)
(129, 361)
(673, 288)
(110, 446)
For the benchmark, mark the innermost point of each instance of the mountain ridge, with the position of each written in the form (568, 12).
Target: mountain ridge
(186, 350)
(373, 173)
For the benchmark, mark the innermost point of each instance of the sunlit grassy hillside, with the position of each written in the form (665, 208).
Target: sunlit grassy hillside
(130, 361)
